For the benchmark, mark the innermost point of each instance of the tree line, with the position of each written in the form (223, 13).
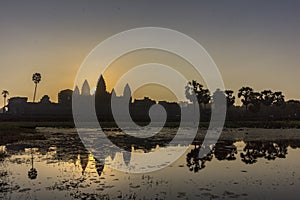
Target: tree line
(257, 105)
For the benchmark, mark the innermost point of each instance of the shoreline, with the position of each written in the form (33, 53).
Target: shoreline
(14, 125)
(11, 132)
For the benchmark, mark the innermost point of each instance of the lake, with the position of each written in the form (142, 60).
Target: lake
(244, 164)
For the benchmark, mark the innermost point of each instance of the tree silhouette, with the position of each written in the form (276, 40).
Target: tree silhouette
(195, 89)
(217, 98)
(255, 100)
(230, 99)
(192, 90)
(278, 98)
(36, 78)
(267, 97)
(245, 93)
(205, 97)
(5, 93)
(279, 102)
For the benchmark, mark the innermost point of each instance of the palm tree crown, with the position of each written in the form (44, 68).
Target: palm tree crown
(36, 78)
(5, 93)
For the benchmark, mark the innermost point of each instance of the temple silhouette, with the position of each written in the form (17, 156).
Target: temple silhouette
(19, 108)
(261, 107)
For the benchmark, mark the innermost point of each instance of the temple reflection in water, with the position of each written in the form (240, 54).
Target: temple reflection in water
(70, 149)
(55, 162)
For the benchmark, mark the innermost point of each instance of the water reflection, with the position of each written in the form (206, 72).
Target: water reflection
(32, 173)
(269, 150)
(126, 142)
(253, 150)
(60, 162)
(223, 150)
(196, 163)
(99, 167)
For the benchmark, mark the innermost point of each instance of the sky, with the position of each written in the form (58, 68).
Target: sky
(253, 43)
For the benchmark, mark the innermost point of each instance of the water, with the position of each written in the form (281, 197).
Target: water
(241, 166)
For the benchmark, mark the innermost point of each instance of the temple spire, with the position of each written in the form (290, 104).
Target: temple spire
(76, 91)
(86, 90)
(127, 92)
(101, 86)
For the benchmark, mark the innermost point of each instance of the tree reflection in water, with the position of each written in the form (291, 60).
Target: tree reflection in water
(32, 173)
(263, 149)
(225, 150)
(253, 150)
(69, 148)
(196, 163)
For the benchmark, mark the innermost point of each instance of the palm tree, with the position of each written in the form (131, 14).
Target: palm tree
(230, 98)
(245, 93)
(5, 93)
(36, 78)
